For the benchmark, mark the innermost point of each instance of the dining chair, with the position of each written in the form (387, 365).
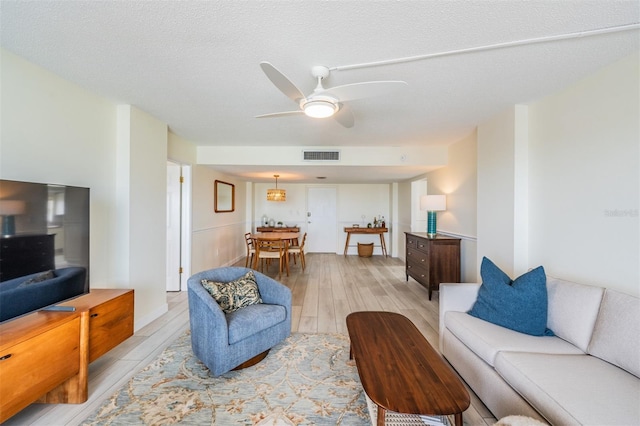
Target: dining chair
(270, 249)
(251, 251)
(296, 250)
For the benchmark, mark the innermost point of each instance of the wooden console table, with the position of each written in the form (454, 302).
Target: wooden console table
(374, 231)
(45, 356)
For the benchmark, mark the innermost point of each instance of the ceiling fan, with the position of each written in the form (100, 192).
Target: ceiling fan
(323, 102)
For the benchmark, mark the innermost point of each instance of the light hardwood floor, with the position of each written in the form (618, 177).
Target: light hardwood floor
(331, 287)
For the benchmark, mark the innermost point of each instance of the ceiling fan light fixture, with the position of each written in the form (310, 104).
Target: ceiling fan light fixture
(320, 108)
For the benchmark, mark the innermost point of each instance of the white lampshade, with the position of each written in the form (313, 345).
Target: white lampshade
(433, 203)
(12, 207)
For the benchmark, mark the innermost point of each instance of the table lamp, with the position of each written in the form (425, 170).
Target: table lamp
(8, 210)
(432, 204)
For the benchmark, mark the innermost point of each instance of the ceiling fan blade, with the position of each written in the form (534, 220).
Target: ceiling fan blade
(282, 82)
(369, 89)
(344, 116)
(280, 114)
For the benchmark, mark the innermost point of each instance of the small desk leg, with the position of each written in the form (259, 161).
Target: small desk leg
(381, 416)
(346, 244)
(383, 246)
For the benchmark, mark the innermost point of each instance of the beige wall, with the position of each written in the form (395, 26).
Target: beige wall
(217, 239)
(56, 132)
(458, 181)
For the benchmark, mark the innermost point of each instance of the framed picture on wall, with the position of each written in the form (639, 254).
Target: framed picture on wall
(224, 197)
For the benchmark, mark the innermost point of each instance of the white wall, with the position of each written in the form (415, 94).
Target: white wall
(558, 182)
(141, 187)
(354, 200)
(585, 179)
(402, 222)
(458, 181)
(56, 132)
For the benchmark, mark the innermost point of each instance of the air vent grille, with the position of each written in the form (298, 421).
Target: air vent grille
(321, 155)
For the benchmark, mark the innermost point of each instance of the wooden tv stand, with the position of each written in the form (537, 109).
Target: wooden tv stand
(45, 356)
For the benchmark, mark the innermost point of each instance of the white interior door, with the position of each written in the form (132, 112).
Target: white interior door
(321, 220)
(173, 227)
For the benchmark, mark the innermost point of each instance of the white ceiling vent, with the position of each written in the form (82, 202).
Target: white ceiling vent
(321, 155)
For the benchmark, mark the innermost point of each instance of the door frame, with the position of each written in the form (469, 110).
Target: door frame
(185, 223)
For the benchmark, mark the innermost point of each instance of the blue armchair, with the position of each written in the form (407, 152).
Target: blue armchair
(243, 337)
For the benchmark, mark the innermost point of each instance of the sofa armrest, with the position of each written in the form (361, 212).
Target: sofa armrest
(458, 297)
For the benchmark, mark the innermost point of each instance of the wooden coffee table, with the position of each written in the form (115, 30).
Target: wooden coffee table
(399, 369)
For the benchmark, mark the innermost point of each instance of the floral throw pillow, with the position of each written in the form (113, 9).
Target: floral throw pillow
(236, 294)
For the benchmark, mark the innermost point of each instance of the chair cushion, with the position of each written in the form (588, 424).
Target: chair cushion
(520, 305)
(235, 294)
(252, 319)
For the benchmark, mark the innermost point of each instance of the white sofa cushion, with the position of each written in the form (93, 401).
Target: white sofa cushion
(573, 309)
(616, 337)
(486, 339)
(588, 391)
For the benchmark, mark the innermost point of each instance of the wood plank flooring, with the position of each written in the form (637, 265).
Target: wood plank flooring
(323, 295)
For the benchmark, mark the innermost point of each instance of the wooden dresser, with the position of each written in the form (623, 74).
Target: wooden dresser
(45, 356)
(432, 261)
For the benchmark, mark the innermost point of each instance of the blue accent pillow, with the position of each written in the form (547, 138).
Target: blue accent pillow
(520, 305)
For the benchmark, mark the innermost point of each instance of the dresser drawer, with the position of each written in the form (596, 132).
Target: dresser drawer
(37, 365)
(110, 323)
(411, 242)
(419, 272)
(417, 256)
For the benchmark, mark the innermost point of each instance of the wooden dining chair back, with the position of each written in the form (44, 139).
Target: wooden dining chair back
(251, 251)
(270, 249)
(299, 251)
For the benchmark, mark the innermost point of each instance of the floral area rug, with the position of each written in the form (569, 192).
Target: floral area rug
(306, 380)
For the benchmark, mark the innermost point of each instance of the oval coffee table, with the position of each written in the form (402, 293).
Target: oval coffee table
(399, 369)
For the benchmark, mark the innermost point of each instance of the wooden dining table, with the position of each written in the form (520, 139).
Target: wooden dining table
(288, 237)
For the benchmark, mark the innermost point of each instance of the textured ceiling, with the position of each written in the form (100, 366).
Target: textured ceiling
(195, 64)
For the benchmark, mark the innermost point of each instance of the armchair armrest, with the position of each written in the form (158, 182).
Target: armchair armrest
(458, 297)
(205, 315)
(274, 292)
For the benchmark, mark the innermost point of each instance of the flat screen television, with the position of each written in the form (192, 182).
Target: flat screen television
(44, 246)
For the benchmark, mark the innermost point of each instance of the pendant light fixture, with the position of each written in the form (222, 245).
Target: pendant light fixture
(276, 194)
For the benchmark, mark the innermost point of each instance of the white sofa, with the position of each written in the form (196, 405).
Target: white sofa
(588, 373)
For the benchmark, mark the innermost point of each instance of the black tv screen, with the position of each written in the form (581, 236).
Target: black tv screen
(44, 245)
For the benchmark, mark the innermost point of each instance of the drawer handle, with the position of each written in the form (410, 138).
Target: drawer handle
(2, 358)
(93, 315)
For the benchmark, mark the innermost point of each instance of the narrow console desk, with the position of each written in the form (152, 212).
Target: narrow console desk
(373, 231)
